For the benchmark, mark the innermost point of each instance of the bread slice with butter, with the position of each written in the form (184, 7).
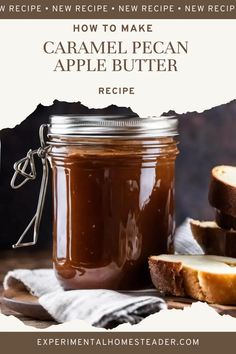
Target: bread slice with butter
(205, 278)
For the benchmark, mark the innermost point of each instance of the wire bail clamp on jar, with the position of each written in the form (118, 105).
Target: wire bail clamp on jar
(75, 130)
(20, 168)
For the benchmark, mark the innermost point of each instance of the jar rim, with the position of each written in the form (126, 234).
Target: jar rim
(116, 126)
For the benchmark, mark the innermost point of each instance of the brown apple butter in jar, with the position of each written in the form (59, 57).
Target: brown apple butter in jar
(113, 196)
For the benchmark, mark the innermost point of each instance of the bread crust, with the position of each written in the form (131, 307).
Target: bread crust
(176, 278)
(214, 240)
(225, 221)
(222, 196)
(167, 276)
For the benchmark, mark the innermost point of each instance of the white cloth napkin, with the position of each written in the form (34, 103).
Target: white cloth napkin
(184, 243)
(101, 308)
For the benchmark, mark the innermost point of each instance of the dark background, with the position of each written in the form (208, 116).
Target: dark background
(206, 139)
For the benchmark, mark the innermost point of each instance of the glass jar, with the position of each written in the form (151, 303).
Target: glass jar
(113, 197)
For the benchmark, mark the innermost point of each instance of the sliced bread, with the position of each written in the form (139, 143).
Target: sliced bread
(213, 239)
(225, 221)
(205, 278)
(222, 191)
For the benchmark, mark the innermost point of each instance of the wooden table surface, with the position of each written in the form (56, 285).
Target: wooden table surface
(13, 259)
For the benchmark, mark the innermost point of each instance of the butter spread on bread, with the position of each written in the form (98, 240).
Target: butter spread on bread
(205, 278)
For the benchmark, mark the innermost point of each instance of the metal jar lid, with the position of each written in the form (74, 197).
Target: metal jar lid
(112, 126)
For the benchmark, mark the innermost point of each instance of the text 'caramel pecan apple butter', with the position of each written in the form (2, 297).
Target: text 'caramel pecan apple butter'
(113, 197)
